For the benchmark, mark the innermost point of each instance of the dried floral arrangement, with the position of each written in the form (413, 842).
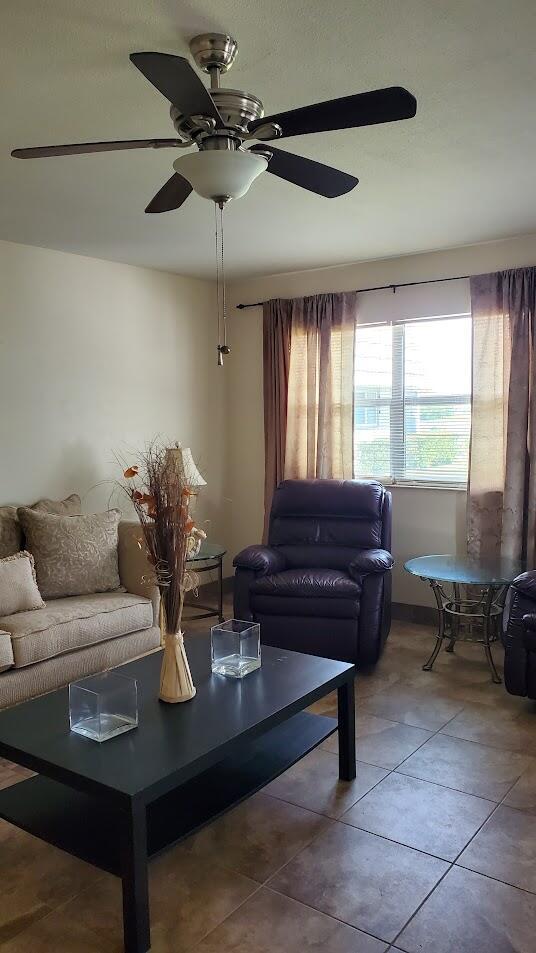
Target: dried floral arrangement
(160, 495)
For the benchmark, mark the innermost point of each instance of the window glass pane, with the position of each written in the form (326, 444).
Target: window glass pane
(437, 357)
(437, 442)
(412, 394)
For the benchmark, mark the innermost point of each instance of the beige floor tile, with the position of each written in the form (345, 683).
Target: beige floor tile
(523, 793)
(325, 706)
(60, 932)
(422, 709)
(257, 837)
(468, 913)
(514, 731)
(421, 815)
(36, 879)
(314, 783)
(473, 768)
(271, 923)
(505, 849)
(382, 742)
(359, 878)
(179, 884)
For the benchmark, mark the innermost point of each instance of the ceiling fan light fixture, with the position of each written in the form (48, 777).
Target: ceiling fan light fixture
(221, 175)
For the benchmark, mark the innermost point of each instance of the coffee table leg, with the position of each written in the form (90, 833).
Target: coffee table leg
(427, 667)
(346, 711)
(136, 923)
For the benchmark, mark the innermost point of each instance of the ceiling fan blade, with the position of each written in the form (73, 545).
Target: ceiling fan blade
(175, 191)
(307, 173)
(363, 109)
(177, 81)
(81, 148)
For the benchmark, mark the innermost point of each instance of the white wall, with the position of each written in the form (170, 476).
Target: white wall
(425, 520)
(98, 358)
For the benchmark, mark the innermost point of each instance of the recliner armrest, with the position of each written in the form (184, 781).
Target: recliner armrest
(371, 560)
(261, 560)
(526, 583)
(529, 631)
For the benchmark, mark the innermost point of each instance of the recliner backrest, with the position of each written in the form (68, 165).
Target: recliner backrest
(325, 522)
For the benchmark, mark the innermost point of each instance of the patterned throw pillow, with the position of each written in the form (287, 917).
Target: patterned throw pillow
(74, 555)
(18, 586)
(11, 540)
(70, 506)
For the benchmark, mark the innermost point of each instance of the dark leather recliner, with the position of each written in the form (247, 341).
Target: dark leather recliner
(323, 583)
(519, 636)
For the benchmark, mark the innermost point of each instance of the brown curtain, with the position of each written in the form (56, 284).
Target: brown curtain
(502, 500)
(308, 388)
(276, 360)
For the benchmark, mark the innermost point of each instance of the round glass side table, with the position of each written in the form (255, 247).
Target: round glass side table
(211, 555)
(470, 617)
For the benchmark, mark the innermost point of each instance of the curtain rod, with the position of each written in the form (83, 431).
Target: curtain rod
(401, 284)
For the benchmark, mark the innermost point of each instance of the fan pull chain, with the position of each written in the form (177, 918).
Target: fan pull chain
(221, 298)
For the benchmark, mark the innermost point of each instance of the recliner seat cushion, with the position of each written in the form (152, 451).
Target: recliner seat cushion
(319, 583)
(75, 622)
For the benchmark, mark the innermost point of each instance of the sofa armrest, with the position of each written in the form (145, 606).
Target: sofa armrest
(261, 560)
(6, 651)
(371, 560)
(526, 584)
(135, 572)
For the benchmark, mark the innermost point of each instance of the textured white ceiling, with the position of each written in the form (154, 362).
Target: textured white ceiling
(462, 171)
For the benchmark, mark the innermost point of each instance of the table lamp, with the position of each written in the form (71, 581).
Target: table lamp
(182, 460)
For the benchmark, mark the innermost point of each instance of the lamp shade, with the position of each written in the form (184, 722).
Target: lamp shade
(183, 461)
(221, 174)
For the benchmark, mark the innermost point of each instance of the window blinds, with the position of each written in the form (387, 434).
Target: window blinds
(412, 394)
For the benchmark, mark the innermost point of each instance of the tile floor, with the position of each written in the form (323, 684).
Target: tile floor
(432, 849)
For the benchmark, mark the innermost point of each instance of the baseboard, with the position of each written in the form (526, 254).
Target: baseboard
(421, 615)
(211, 590)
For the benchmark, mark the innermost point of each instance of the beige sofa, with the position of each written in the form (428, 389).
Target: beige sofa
(44, 649)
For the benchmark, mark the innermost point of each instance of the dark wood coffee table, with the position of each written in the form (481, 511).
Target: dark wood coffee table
(119, 803)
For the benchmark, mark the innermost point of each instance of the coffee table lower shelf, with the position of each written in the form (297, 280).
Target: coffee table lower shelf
(84, 826)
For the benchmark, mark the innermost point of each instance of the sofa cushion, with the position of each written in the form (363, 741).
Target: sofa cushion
(10, 531)
(319, 583)
(66, 625)
(6, 651)
(74, 555)
(18, 586)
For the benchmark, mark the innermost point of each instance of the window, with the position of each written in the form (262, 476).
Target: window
(412, 400)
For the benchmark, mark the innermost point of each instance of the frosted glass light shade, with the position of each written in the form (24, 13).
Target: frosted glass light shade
(183, 462)
(221, 174)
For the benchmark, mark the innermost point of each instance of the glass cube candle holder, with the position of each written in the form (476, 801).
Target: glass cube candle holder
(236, 648)
(103, 706)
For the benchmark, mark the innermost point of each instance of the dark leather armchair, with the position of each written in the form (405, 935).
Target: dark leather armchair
(323, 583)
(519, 636)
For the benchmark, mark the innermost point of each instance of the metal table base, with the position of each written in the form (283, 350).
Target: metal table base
(458, 612)
(213, 562)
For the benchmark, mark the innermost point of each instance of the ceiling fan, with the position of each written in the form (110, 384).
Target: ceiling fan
(220, 121)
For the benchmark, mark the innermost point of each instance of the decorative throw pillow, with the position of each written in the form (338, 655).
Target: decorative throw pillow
(70, 506)
(74, 555)
(18, 586)
(10, 531)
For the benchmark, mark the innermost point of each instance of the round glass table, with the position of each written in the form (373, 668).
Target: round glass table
(471, 617)
(211, 555)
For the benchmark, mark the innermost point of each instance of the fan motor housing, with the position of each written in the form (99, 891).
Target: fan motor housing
(236, 107)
